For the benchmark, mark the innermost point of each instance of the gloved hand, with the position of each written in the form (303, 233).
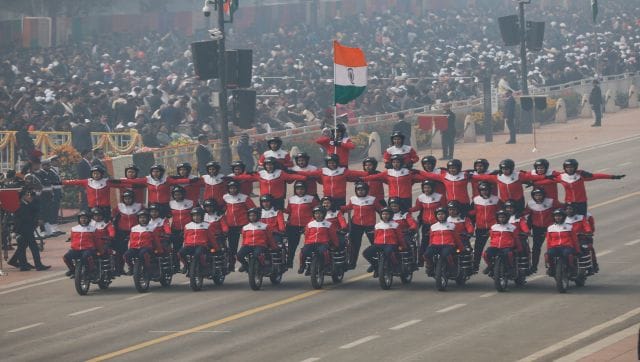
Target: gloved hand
(584, 173)
(528, 184)
(618, 177)
(550, 177)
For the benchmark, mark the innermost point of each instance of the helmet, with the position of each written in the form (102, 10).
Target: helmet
(507, 163)
(394, 200)
(299, 184)
(510, 203)
(371, 160)
(396, 156)
(538, 191)
(319, 209)
(484, 186)
(362, 185)
(428, 159)
(570, 205)
(302, 155)
(186, 165)
(233, 183)
(502, 212)
(483, 161)
(386, 209)
(153, 207)
(254, 210)
(209, 203)
(453, 204)
(131, 166)
(143, 212)
(441, 209)
(570, 162)
(128, 193)
(429, 183)
(266, 197)
(84, 213)
(197, 211)
(157, 167)
(96, 211)
(397, 134)
(541, 162)
(271, 160)
(177, 188)
(98, 168)
(333, 157)
(240, 164)
(559, 212)
(341, 127)
(325, 199)
(276, 140)
(213, 164)
(455, 163)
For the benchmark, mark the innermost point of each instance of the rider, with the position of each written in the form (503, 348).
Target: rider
(158, 187)
(503, 241)
(426, 203)
(162, 225)
(197, 238)
(363, 220)
(143, 241)
(429, 168)
(124, 218)
(336, 218)
(408, 224)
(180, 217)
(541, 167)
(443, 240)
(485, 206)
(388, 239)
(318, 236)
(98, 189)
(239, 168)
(256, 237)
(275, 150)
(539, 212)
(216, 220)
(83, 243)
(455, 183)
(333, 178)
(213, 183)
(104, 233)
(562, 241)
(480, 167)
(399, 179)
(464, 226)
(339, 144)
(299, 208)
(584, 227)
(302, 164)
(237, 205)
(274, 218)
(131, 172)
(407, 153)
(192, 187)
(376, 189)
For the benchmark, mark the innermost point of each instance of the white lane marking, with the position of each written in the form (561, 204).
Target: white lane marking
(359, 342)
(193, 332)
(84, 311)
(25, 327)
(30, 280)
(604, 252)
(448, 309)
(535, 278)
(487, 295)
(312, 359)
(634, 242)
(33, 285)
(602, 169)
(625, 164)
(405, 324)
(580, 336)
(185, 283)
(599, 345)
(137, 296)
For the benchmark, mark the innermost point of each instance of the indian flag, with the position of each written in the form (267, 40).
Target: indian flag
(350, 73)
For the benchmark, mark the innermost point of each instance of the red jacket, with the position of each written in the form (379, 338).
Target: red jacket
(214, 188)
(434, 176)
(342, 150)
(485, 211)
(246, 187)
(217, 224)
(521, 224)
(312, 183)
(274, 183)
(198, 234)
(126, 216)
(104, 232)
(257, 234)
(83, 237)
(388, 233)
(444, 233)
(475, 182)
(191, 188)
(503, 236)
(98, 191)
(463, 226)
(320, 232)
(409, 154)
(282, 156)
(180, 214)
(541, 214)
(158, 191)
(581, 224)
(274, 219)
(574, 188)
(237, 207)
(143, 237)
(399, 181)
(336, 219)
(139, 191)
(406, 221)
(550, 188)
(376, 187)
(510, 187)
(299, 209)
(364, 210)
(161, 225)
(562, 235)
(427, 205)
(334, 182)
(455, 185)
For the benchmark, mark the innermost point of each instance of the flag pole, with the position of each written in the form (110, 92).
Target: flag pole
(335, 105)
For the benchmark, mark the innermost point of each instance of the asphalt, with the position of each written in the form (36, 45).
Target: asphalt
(355, 321)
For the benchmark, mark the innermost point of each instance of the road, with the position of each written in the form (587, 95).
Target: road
(355, 321)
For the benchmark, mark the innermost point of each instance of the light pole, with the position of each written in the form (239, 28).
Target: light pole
(225, 150)
(526, 125)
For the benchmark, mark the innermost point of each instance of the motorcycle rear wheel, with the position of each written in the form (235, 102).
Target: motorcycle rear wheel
(441, 275)
(81, 280)
(317, 272)
(385, 273)
(500, 280)
(255, 274)
(140, 278)
(561, 276)
(196, 279)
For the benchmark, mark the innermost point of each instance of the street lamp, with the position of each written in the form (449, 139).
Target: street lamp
(526, 125)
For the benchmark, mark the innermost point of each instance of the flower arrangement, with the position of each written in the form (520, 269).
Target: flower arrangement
(68, 159)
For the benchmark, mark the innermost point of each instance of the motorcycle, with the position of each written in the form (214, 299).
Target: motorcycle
(408, 263)
(213, 265)
(563, 273)
(102, 274)
(160, 270)
(316, 267)
(273, 265)
(459, 269)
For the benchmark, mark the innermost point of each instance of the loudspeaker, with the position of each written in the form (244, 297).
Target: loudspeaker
(509, 29)
(205, 59)
(535, 35)
(244, 107)
(540, 102)
(526, 102)
(231, 68)
(245, 61)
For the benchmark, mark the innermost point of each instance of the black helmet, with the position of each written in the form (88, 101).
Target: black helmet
(197, 211)
(502, 212)
(428, 159)
(128, 193)
(209, 203)
(300, 184)
(341, 127)
(325, 198)
(484, 186)
(397, 134)
(177, 188)
(559, 212)
(84, 213)
(186, 165)
(332, 157)
(131, 166)
(319, 209)
(255, 210)
(98, 168)
(233, 183)
(240, 164)
(570, 162)
(213, 164)
(158, 167)
(483, 161)
(507, 163)
(143, 212)
(266, 197)
(154, 207)
(276, 140)
(394, 200)
(96, 211)
(569, 205)
(302, 155)
(386, 209)
(428, 183)
(538, 191)
(371, 160)
(362, 185)
(510, 203)
(271, 160)
(541, 162)
(397, 156)
(453, 204)
(455, 163)
(441, 209)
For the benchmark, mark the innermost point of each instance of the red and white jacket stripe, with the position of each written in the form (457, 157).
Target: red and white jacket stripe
(320, 232)
(455, 185)
(334, 182)
(125, 216)
(282, 156)
(158, 190)
(143, 237)
(98, 191)
(214, 188)
(463, 225)
(444, 233)
(217, 223)
(337, 220)
(271, 183)
(180, 213)
(364, 210)
(562, 235)
(274, 219)
(541, 214)
(399, 181)
(198, 234)
(346, 145)
(406, 221)
(427, 205)
(257, 234)
(83, 237)
(312, 183)
(299, 210)
(574, 187)
(485, 210)
(503, 236)
(510, 187)
(408, 153)
(237, 207)
(388, 233)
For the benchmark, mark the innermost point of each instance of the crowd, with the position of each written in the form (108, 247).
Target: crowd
(115, 82)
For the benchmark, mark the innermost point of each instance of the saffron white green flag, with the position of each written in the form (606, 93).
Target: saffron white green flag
(350, 73)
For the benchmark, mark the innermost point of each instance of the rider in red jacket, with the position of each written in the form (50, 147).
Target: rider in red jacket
(388, 239)
(237, 205)
(562, 241)
(299, 211)
(256, 238)
(319, 235)
(198, 239)
(143, 242)
(125, 216)
(444, 240)
(83, 243)
(455, 182)
(399, 179)
(584, 227)
(338, 144)
(485, 206)
(334, 179)
(158, 187)
(504, 239)
(213, 183)
(98, 189)
(191, 188)
(408, 154)
(363, 220)
(539, 212)
(427, 203)
(105, 232)
(376, 188)
(429, 168)
(275, 150)
(302, 164)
